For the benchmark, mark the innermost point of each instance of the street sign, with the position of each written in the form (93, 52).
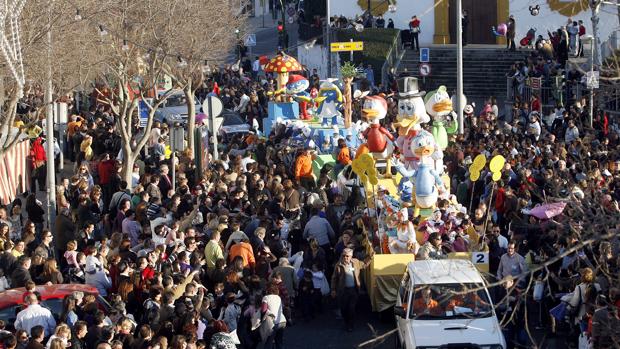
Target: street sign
(143, 112)
(592, 78)
(216, 106)
(347, 46)
(212, 107)
(250, 40)
(535, 83)
(291, 11)
(425, 69)
(425, 54)
(177, 138)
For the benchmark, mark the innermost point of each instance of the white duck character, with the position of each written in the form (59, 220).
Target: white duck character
(426, 180)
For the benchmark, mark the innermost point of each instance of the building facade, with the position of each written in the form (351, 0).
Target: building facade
(438, 17)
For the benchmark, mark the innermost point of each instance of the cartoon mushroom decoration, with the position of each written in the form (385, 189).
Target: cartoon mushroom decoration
(282, 64)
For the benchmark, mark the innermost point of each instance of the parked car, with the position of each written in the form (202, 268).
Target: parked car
(11, 301)
(232, 124)
(445, 304)
(174, 109)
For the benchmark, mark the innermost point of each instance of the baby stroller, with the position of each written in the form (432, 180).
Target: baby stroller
(528, 40)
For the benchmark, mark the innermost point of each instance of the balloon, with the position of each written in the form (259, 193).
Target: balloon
(373, 180)
(497, 163)
(502, 28)
(497, 176)
(474, 176)
(479, 162)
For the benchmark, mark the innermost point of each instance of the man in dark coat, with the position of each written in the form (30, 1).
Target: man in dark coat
(64, 231)
(21, 275)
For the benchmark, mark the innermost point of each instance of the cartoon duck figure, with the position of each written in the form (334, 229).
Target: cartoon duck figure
(411, 113)
(296, 87)
(439, 107)
(405, 241)
(426, 180)
(375, 109)
(330, 102)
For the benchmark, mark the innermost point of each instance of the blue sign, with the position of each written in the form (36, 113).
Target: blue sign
(425, 55)
(143, 112)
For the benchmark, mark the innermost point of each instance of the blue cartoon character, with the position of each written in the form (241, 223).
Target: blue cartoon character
(330, 102)
(426, 180)
(296, 87)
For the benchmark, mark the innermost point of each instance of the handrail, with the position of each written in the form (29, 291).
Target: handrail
(392, 59)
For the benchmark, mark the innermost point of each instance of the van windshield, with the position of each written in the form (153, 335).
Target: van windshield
(449, 301)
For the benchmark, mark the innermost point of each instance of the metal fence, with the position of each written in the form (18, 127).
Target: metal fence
(551, 92)
(392, 59)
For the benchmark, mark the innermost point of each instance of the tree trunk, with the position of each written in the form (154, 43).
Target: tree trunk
(191, 116)
(129, 158)
(347, 102)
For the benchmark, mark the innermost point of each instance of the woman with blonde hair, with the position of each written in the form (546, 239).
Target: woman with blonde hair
(61, 200)
(584, 294)
(62, 334)
(51, 274)
(56, 343)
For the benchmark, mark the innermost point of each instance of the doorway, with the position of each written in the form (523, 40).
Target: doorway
(482, 16)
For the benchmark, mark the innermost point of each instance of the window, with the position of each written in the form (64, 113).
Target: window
(445, 301)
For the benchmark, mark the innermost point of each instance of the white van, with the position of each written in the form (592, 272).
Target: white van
(445, 304)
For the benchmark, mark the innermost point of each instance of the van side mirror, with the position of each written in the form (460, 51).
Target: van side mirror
(400, 311)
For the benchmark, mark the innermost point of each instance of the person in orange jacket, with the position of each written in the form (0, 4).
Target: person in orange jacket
(343, 156)
(243, 249)
(303, 169)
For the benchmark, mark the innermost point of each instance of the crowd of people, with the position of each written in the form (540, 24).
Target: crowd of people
(232, 256)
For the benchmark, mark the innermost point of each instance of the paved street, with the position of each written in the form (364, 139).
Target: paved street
(325, 331)
(266, 36)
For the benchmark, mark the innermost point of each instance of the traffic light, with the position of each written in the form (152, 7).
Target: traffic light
(282, 37)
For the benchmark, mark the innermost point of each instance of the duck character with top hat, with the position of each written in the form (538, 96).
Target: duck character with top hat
(296, 87)
(378, 138)
(426, 180)
(330, 102)
(411, 113)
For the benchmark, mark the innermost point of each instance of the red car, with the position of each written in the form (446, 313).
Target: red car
(11, 301)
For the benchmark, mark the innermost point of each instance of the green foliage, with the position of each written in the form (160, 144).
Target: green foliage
(377, 44)
(348, 70)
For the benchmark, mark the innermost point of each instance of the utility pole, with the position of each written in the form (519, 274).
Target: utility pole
(49, 130)
(459, 64)
(595, 6)
(327, 40)
(591, 87)
(284, 33)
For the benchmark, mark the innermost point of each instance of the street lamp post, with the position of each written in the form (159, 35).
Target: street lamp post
(49, 130)
(459, 64)
(592, 40)
(328, 40)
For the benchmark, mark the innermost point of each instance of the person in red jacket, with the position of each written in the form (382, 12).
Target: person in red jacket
(500, 198)
(38, 166)
(105, 170)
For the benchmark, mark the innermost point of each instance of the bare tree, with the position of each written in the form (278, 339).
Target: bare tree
(72, 63)
(200, 45)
